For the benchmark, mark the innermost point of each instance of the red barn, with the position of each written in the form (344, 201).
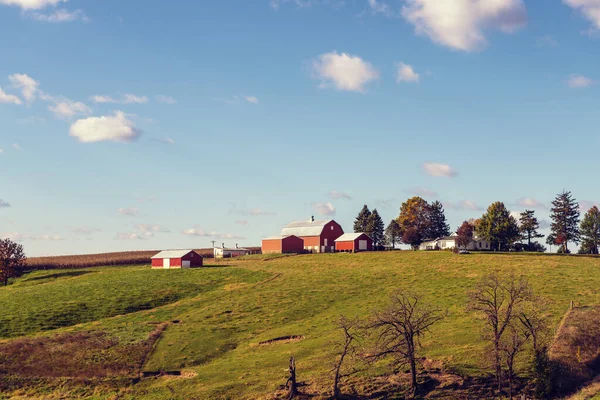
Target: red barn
(354, 242)
(282, 244)
(177, 259)
(318, 236)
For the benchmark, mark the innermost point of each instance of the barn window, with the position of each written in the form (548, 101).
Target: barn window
(331, 227)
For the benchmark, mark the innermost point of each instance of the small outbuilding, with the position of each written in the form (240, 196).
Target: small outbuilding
(177, 259)
(354, 242)
(282, 244)
(229, 252)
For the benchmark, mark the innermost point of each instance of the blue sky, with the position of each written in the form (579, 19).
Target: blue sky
(149, 125)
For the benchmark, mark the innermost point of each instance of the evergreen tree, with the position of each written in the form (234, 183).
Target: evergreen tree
(565, 221)
(529, 227)
(590, 231)
(393, 233)
(438, 226)
(375, 228)
(498, 226)
(360, 222)
(414, 221)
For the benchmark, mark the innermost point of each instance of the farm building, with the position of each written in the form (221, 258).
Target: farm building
(282, 244)
(177, 259)
(318, 236)
(449, 242)
(354, 242)
(228, 252)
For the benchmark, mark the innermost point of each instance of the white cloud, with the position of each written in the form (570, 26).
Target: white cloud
(130, 236)
(241, 222)
(150, 230)
(9, 98)
(275, 4)
(142, 232)
(165, 99)
(27, 84)
(463, 205)
(16, 146)
(166, 140)
(323, 208)
(213, 234)
(439, 170)
(516, 215)
(19, 237)
(1, 150)
(102, 99)
(133, 99)
(335, 195)
(129, 211)
(585, 205)
(47, 237)
(422, 192)
(61, 15)
(4, 204)
(589, 8)
(577, 81)
(31, 4)
(406, 73)
(251, 99)
(115, 128)
(253, 212)
(547, 41)
(528, 202)
(84, 230)
(380, 7)
(67, 109)
(460, 24)
(343, 71)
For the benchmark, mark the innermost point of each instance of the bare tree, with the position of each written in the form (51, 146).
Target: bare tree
(534, 318)
(12, 260)
(400, 326)
(511, 345)
(348, 348)
(500, 300)
(291, 384)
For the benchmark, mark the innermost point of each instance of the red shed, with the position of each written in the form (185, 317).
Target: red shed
(318, 236)
(177, 259)
(354, 242)
(282, 244)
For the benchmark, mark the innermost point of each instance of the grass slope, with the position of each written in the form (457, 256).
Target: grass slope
(222, 322)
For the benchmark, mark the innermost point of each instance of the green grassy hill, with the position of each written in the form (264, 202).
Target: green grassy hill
(218, 316)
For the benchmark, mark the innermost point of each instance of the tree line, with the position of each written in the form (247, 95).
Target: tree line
(420, 221)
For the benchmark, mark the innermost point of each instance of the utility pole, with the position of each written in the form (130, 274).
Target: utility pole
(213, 243)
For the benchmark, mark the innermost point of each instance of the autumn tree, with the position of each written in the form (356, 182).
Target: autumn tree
(465, 235)
(414, 221)
(361, 220)
(590, 231)
(347, 348)
(375, 228)
(498, 226)
(399, 328)
(529, 226)
(393, 233)
(438, 226)
(565, 221)
(501, 302)
(12, 260)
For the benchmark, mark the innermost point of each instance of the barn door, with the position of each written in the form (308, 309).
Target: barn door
(166, 263)
(362, 245)
(185, 264)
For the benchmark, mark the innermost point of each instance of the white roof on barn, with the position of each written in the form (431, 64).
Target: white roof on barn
(231, 248)
(350, 237)
(277, 237)
(304, 228)
(172, 253)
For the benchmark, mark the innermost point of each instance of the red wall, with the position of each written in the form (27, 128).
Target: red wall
(344, 246)
(271, 246)
(292, 244)
(331, 234)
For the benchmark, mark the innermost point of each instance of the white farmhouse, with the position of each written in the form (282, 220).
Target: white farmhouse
(228, 252)
(449, 242)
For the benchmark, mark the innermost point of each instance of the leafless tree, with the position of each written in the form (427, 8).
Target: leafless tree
(291, 384)
(347, 348)
(399, 328)
(500, 300)
(512, 344)
(534, 318)
(12, 260)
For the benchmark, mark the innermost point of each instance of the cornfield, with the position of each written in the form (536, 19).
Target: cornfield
(98, 260)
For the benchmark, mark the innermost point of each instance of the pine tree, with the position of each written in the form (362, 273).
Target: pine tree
(498, 226)
(375, 228)
(529, 227)
(590, 231)
(393, 233)
(565, 221)
(360, 223)
(438, 226)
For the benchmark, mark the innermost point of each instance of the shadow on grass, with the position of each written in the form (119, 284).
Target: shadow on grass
(69, 274)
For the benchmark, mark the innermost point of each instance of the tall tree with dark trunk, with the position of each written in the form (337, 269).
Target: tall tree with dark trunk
(565, 221)
(399, 328)
(528, 227)
(361, 220)
(393, 233)
(375, 228)
(414, 220)
(347, 349)
(12, 260)
(465, 235)
(498, 226)
(438, 226)
(590, 231)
